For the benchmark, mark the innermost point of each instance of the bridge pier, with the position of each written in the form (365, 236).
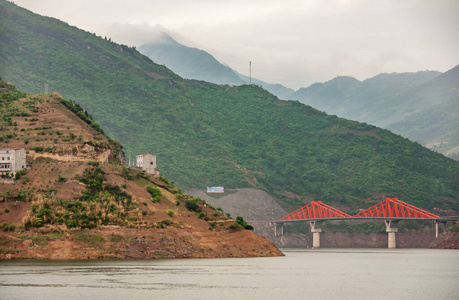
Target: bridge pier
(278, 229)
(316, 230)
(436, 228)
(391, 229)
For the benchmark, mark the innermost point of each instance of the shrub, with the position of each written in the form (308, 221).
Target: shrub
(235, 225)
(6, 227)
(37, 149)
(170, 213)
(164, 179)
(153, 191)
(191, 205)
(167, 222)
(243, 223)
(7, 210)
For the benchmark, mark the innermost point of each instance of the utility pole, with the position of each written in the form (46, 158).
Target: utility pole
(46, 88)
(250, 72)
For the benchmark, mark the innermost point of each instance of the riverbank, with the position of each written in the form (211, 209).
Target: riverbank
(114, 242)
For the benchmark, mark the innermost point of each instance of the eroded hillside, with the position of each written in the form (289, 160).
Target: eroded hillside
(75, 200)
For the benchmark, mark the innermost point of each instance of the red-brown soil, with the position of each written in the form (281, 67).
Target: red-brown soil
(185, 236)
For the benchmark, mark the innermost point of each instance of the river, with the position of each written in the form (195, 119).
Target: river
(300, 274)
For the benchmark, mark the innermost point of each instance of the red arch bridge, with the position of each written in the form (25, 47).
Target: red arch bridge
(390, 210)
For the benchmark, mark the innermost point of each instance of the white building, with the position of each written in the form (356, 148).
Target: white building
(12, 160)
(147, 162)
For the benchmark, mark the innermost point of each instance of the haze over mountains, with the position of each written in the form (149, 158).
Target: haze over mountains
(401, 102)
(422, 106)
(193, 63)
(218, 135)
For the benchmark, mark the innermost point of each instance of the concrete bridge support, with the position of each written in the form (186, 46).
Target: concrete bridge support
(437, 227)
(316, 230)
(278, 229)
(391, 229)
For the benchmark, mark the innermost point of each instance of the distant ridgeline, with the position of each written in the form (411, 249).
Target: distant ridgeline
(401, 102)
(216, 135)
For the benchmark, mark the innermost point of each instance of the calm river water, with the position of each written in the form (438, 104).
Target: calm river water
(301, 274)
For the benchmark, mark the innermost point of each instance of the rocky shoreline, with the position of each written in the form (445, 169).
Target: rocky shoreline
(447, 240)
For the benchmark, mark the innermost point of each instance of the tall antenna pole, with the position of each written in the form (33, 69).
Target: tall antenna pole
(250, 71)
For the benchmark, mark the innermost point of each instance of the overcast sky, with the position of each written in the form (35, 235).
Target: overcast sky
(292, 42)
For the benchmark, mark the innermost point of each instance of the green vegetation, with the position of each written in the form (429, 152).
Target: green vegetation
(343, 226)
(8, 227)
(403, 103)
(99, 204)
(192, 205)
(243, 223)
(209, 135)
(240, 223)
(115, 238)
(10, 250)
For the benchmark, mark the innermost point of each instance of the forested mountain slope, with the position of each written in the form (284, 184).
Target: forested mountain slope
(402, 102)
(193, 63)
(189, 62)
(216, 135)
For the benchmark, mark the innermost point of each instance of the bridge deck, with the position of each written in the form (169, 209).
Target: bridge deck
(449, 219)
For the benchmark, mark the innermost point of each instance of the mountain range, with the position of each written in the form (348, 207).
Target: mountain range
(207, 134)
(401, 102)
(193, 63)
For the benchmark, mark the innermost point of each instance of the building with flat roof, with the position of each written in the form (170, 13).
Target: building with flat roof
(12, 160)
(147, 162)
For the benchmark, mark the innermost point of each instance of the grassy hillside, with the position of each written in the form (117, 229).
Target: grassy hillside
(211, 135)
